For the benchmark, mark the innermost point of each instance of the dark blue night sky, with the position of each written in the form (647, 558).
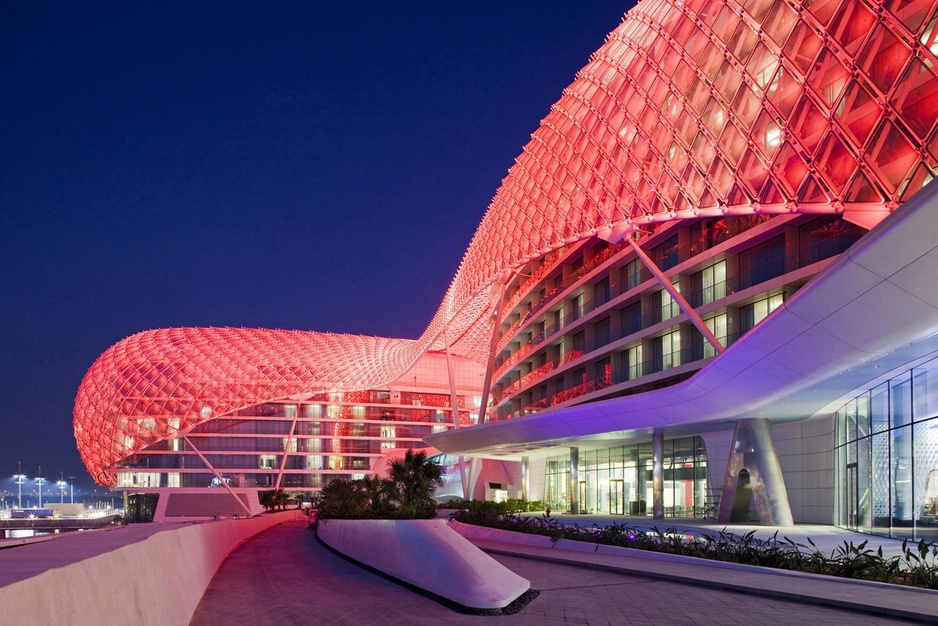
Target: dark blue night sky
(285, 166)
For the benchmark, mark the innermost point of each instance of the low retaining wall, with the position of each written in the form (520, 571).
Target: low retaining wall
(156, 580)
(429, 555)
(471, 531)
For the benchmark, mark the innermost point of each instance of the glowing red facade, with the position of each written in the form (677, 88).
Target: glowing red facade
(690, 109)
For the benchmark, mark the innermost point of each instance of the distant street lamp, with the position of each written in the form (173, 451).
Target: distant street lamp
(20, 479)
(62, 485)
(71, 490)
(39, 480)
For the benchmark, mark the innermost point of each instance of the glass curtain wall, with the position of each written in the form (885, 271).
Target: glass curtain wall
(618, 480)
(886, 475)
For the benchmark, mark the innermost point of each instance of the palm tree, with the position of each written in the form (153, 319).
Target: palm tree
(267, 500)
(343, 499)
(281, 498)
(412, 482)
(274, 498)
(378, 494)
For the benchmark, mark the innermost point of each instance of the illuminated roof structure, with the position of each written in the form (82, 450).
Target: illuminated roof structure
(689, 109)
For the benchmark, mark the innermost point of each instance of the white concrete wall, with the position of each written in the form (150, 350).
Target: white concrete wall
(157, 580)
(515, 478)
(537, 479)
(805, 452)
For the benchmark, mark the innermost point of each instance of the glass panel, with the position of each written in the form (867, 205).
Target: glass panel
(864, 487)
(858, 112)
(880, 478)
(926, 480)
(879, 411)
(925, 391)
(900, 400)
(901, 463)
(893, 155)
(700, 476)
(863, 415)
(841, 515)
(851, 418)
(644, 483)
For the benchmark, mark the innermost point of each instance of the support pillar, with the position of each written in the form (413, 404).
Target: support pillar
(575, 481)
(454, 406)
(525, 470)
(221, 479)
(682, 303)
(657, 475)
(475, 471)
(499, 289)
(287, 445)
(753, 472)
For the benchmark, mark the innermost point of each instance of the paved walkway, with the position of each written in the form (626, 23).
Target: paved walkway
(284, 576)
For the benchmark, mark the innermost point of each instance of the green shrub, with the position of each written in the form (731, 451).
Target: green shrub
(509, 507)
(454, 504)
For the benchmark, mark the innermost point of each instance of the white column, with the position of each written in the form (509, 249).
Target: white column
(657, 475)
(525, 468)
(575, 481)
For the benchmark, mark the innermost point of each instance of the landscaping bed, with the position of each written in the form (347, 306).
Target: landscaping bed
(917, 566)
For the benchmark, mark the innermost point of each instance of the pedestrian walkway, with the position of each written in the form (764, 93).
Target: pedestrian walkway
(284, 576)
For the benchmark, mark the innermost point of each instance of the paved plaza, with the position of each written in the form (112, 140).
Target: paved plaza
(284, 576)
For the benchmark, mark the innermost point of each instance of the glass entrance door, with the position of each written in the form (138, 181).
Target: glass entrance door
(617, 497)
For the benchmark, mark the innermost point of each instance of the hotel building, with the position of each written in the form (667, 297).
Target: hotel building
(705, 289)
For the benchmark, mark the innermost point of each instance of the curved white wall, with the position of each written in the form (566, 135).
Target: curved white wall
(140, 574)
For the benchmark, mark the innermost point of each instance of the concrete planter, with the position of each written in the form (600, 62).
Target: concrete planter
(429, 555)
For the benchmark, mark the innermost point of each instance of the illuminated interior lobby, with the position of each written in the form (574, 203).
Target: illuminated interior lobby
(704, 289)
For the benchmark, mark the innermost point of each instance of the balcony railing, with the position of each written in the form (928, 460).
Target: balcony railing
(581, 389)
(545, 267)
(537, 373)
(536, 307)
